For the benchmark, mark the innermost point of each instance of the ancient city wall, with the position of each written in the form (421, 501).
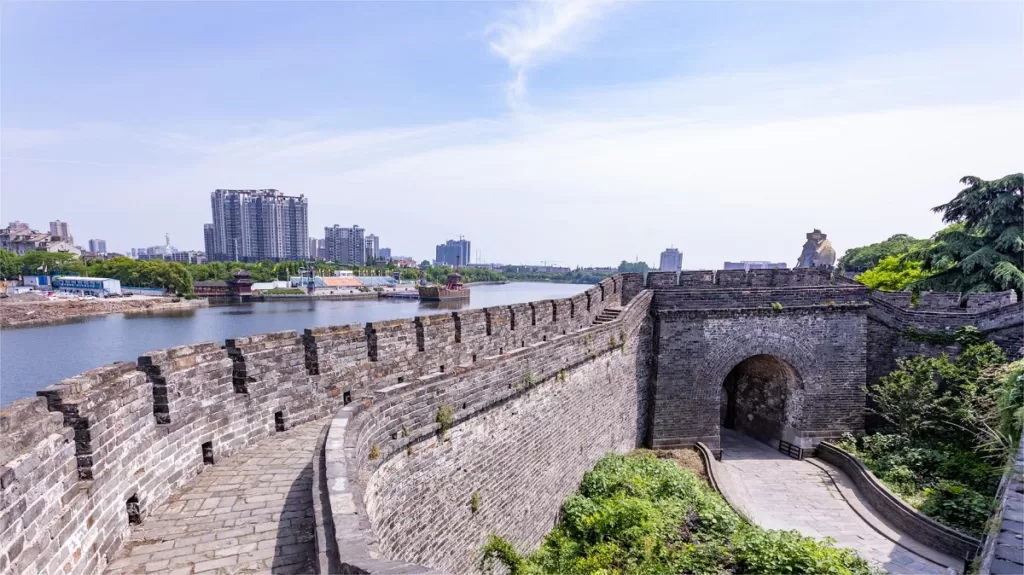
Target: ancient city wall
(95, 453)
(525, 426)
(897, 329)
(708, 323)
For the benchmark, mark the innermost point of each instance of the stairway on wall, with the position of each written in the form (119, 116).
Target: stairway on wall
(607, 314)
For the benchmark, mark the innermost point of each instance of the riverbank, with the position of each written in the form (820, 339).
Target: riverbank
(33, 313)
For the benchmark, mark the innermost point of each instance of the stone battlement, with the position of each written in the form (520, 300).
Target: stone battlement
(96, 452)
(709, 279)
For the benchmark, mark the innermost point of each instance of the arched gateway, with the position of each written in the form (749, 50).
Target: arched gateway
(762, 396)
(782, 363)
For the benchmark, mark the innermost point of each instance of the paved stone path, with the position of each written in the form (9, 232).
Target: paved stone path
(250, 513)
(784, 493)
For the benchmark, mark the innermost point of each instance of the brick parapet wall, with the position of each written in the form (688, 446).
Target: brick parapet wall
(136, 430)
(548, 411)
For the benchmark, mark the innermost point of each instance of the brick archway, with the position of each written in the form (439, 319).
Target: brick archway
(761, 396)
(798, 368)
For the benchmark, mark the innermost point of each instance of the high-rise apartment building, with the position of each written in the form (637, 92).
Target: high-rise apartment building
(345, 245)
(208, 239)
(384, 254)
(258, 225)
(671, 260)
(61, 230)
(98, 246)
(452, 253)
(372, 248)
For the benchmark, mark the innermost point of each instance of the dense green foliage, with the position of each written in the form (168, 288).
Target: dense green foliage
(178, 277)
(636, 267)
(949, 428)
(893, 273)
(642, 515)
(987, 247)
(867, 257)
(577, 276)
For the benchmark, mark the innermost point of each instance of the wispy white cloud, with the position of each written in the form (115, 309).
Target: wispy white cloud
(538, 31)
(737, 167)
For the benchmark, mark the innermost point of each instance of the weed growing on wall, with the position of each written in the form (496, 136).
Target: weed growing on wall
(474, 502)
(639, 514)
(374, 452)
(776, 306)
(445, 416)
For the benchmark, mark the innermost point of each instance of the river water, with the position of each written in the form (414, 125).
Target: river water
(32, 358)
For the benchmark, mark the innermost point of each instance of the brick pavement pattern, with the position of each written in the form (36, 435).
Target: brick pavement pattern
(250, 513)
(785, 493)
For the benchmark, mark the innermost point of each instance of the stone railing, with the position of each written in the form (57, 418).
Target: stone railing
(894, 510)
(400, 429)
(91, 457)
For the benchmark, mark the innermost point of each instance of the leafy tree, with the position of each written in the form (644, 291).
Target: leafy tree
(10, 264)
(986, 252)
(867, 257)
(893, 273)
(640, 267)
(56, 262)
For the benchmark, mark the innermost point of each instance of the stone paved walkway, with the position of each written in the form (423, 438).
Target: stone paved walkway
(784, 493)
(250, 513)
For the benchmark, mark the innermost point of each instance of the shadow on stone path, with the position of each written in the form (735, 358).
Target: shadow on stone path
(784, 493)
(249, 513)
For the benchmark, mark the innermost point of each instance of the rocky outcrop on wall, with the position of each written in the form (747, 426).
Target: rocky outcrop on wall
(494, 446)
(95, 453)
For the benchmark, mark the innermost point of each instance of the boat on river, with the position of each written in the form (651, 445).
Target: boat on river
(453, 290)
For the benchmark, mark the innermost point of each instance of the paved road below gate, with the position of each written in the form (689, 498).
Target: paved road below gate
(250, 513)
(784, 493)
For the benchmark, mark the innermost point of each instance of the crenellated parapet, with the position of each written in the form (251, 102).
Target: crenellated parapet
(95, 453)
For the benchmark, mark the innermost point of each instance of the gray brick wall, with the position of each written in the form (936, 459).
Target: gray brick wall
(137, 429)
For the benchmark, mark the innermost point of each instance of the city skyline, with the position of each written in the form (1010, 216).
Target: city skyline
(701, 124)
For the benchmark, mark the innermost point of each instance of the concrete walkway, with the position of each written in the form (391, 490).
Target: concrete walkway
(784, 493)
(250, 513)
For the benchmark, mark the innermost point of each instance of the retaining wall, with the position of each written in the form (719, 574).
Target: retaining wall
(98, 451)
(890, 506)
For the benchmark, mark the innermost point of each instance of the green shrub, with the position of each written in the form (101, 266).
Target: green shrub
(776, 306)
(953, 504)
(639, 514)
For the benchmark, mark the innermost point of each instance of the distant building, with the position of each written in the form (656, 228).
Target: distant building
(81, 285)
(345, 245)
(98, 246)
(385, 254)
(61, 230)
(208, 239)
(19, 238)
(258, 225)
(452, 253)
(186, 257)
(671, 260)
(748, 265)
(372, 248)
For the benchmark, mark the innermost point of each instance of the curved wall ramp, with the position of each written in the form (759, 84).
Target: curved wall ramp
(411, 489)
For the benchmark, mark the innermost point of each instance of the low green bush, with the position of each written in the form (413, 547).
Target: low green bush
(639, 514)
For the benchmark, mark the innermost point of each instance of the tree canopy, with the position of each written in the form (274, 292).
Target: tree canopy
(982, 251)
(640, 267)
(893, 273)
(866, 257)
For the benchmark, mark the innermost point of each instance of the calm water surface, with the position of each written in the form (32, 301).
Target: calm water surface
(32, 358)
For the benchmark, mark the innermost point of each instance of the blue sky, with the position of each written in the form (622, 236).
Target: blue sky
(583, 132)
